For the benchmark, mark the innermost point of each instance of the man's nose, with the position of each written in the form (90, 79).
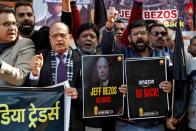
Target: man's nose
(88, 37)
(59, 37)
(139, 35)
(12, 27)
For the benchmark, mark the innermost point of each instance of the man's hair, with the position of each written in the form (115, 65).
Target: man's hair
(191, 40)
(119, 21)
(157, 25)
(135, 24)
(6, 10)
(87, 26)
(56, 22)
(18, 4)
(150, 22)
(102, 59)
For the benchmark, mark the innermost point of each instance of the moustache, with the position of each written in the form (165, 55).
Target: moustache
(140, 41)
(27, 22)
(88, 41)
(161, 39)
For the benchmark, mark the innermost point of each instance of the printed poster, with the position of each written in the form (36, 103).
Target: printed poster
(101, 77)
(145, 98)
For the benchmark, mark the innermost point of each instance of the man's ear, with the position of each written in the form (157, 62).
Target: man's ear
(129, 38)
(49, 37)
(77, 41)
(70, 36)
(34, 18)
(189, 49)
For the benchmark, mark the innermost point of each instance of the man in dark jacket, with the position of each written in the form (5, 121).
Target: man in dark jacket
(45, 68)
(138, 36)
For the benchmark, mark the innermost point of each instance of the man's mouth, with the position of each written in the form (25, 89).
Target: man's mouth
(59, 44)
(87, 45)
(11, 33)
(140, 42)
(119, 35)
(26, 26)
(160, 40)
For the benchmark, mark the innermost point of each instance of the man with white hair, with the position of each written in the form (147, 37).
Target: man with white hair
(103, 71)
(56, 65)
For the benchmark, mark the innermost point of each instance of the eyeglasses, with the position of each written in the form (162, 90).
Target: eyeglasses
(62, 35)
(8, 24)
(139, 32)
(156, 33)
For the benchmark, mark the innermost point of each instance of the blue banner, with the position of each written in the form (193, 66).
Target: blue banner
(32, 108)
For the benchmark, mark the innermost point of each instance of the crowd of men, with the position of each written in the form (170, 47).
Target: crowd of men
(33, 58)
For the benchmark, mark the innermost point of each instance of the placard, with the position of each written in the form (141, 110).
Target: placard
(101, 77)
(145, 98)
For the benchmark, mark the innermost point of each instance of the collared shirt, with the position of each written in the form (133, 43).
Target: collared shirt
(131, 53)
(105, 83)
(31, 77)
(57, 62)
